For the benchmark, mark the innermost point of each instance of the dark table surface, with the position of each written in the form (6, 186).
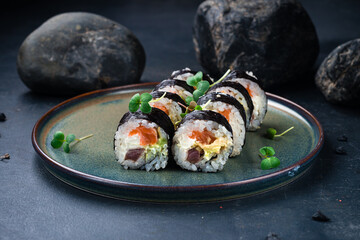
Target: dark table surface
(36, 205)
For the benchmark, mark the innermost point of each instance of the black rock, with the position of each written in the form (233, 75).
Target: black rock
(272, 236)
(2, 117)
(340, 150)
(275, 39)
(78, 52)
(319, 216)
(342, 138)
(338, 77)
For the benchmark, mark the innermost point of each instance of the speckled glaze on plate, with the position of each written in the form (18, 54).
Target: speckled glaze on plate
(91, 165)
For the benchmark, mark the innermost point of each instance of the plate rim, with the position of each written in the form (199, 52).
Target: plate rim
(121, 184)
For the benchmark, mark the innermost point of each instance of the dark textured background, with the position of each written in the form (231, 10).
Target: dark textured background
(35, 205)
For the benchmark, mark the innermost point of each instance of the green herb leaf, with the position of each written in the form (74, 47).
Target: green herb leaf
(203, 86)
(265, 164)
(59, 135)
(270, 133)
(56, 143)
(268, 163)
(199, 75)
(267, 151)
(192, 81)
(198, 107)
(274, 161)
(182, 115)
(145, 97)
(145, 107)
(188, 100)
(70, 138)
(197, 94)
(134, 103)
(66, 147)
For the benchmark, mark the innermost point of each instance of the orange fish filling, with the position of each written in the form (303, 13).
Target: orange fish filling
(205, 137)
(161, 107)
(148, 136)
(249, 90)
(226, 114)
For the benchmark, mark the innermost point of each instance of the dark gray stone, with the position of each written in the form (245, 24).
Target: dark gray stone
(78, 52)
(275, 39)
(338, 76)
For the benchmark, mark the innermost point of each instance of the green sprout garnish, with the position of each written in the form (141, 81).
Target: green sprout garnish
(271, 133)
(222, 78)
(200, 85)
(143, 102)
(60, 140)
(269, 160)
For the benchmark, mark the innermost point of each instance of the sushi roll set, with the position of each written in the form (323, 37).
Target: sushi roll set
(191, 119)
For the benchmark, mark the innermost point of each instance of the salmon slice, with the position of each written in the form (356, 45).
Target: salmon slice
(148, 136)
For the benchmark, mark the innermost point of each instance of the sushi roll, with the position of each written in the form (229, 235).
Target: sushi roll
(257, 94)
(232, 110)
(172, 104)
(203, 141)
(185, 73)
(175, 86)
(143, 141)
(237, 91)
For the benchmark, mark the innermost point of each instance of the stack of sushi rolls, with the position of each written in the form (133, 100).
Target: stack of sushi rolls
(237, 91)
(143, 141)
(234, 113)
(202, 140)
(256, 92)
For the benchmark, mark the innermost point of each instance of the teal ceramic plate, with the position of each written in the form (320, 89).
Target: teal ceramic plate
(91, 165)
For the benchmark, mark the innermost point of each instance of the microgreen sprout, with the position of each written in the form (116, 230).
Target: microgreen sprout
(143, 102)
(200, 85)
(60, 140)
(269, 160)
(271, 133)
(222, 78)
(192, 107)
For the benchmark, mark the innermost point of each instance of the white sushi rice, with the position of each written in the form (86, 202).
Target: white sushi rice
(173, 108)
(124, 142)
(238, 96)
(259, 99)
(236, 122)
(183, 93)
(182, 143)
(183, 76)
